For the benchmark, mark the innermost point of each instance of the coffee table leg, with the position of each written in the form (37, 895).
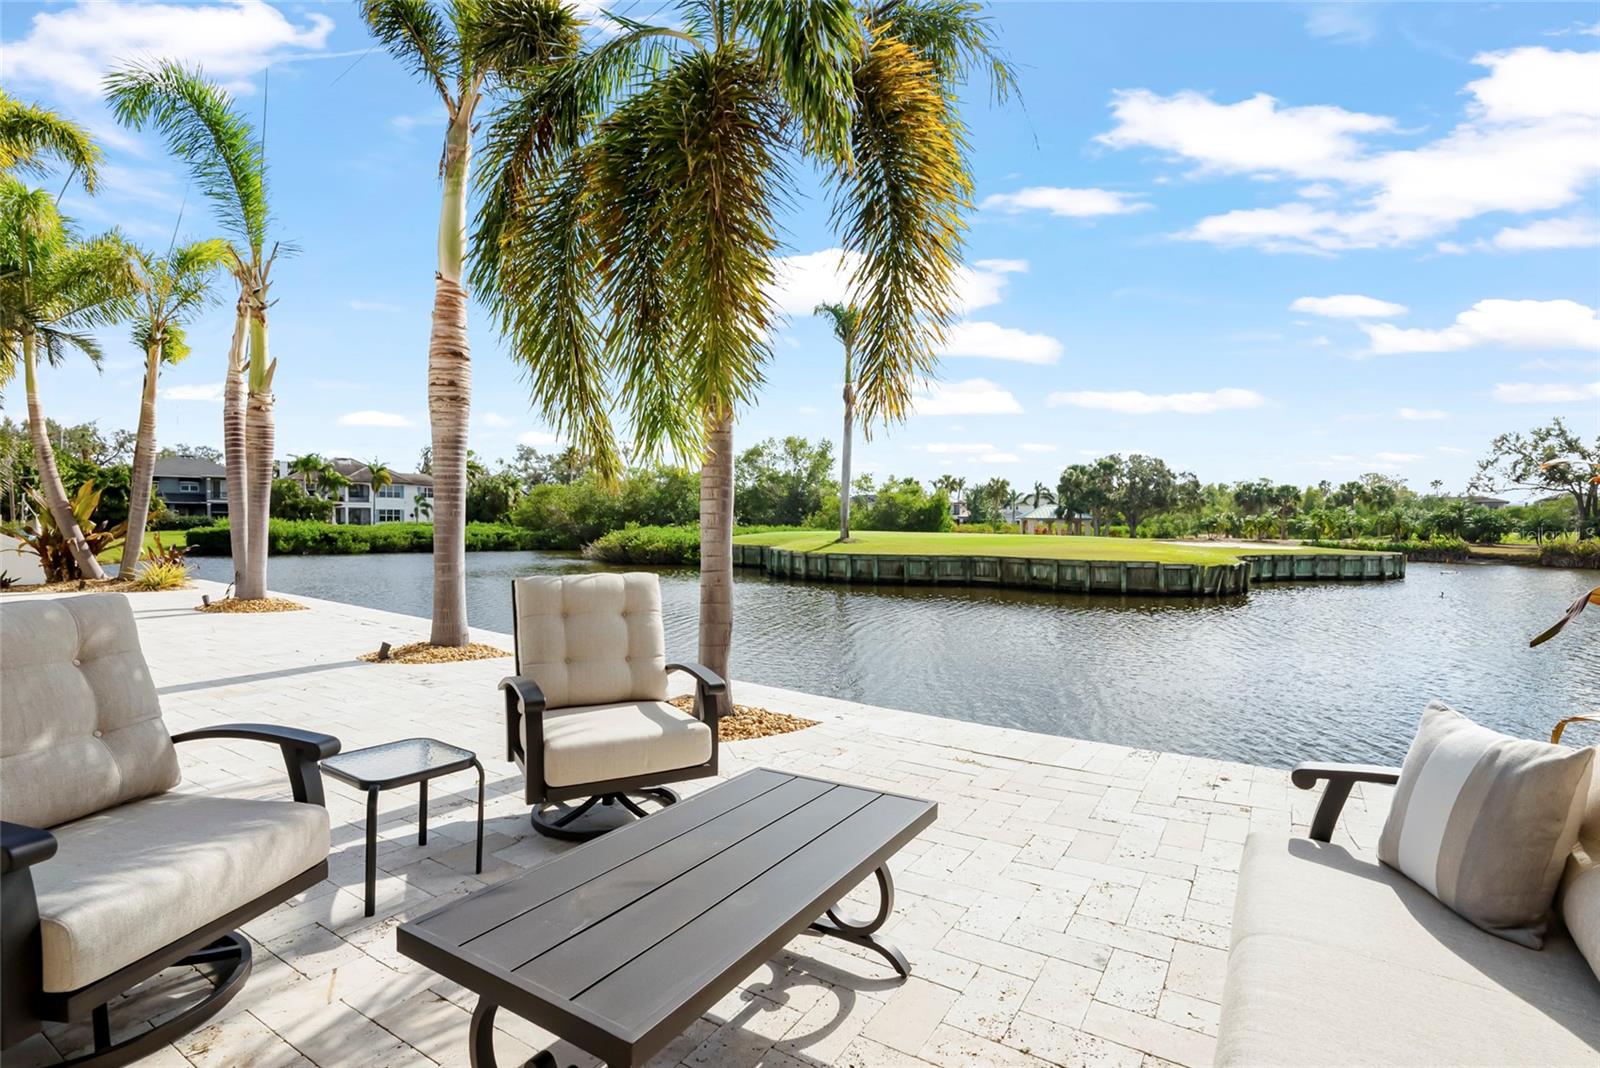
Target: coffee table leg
(480, 815)
(422, 814)
(865, 934)
(480, 1040)
(372, 848)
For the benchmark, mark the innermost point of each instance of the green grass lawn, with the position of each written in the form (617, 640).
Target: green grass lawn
(171, 539)
(1034, 546)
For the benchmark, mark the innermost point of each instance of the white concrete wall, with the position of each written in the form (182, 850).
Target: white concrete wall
(21, 564)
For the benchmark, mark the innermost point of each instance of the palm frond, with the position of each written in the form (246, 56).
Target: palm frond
(54, 343)
(31, 136)
(809, 50)
(845, 319)
(512, 39)
(414, 32)
(901, 211)
(207, 131)
(954, 36)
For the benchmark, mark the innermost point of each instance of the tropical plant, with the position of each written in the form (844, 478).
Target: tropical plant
(57, 554)
(461, 49)
(172, 289)
(207, 131)
(379, 475)
(846, 322)
(32, 136)
(54, 288)
(1041, 494)
(424, 505)
(641, 179)
(161, 575)
(1550, 459)
(159, 553)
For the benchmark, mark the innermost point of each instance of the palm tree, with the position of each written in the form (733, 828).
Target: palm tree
(846, 321)
(1040, 494)
(308, 466)
(54, 288)
(172, 288)
(424, 505)
(641, 181)
(31, 136)
(379, 475)
(460, 48)
(207, 131)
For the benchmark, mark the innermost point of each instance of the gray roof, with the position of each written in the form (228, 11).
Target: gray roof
(187, 467)
(356, 471)
(1048, 511)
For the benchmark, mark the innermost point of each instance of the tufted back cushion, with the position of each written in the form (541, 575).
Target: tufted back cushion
(591, 639)
(80, 727)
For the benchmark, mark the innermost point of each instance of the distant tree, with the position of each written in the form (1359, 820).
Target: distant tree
(1041, 495)
(1548, 459)
(379, 475)
(199, 452)
(846, 322)
(291, 501)
(1082, 490)
(424, 505)
(1285, 502)
(782, 482)
(1143, 485)
(491, 498)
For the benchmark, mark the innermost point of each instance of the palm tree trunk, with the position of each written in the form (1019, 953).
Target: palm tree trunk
(55, 494)
(233, 446)
(716, 543)
(258, 460)
(144, 461)
(450, 396)
(844, 460)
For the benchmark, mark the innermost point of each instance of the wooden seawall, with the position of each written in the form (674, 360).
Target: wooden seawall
(1070, 576)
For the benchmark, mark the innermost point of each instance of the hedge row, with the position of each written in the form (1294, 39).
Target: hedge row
(1441, 548)
(1584, 553)
(308, 537)
(674, 545)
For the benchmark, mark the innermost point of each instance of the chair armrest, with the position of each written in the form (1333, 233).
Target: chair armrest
(301, 751)
(22, 846)
(1340, 778)
(523, 699)
(711, 691)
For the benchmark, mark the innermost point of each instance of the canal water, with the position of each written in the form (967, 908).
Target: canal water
(1332, 671)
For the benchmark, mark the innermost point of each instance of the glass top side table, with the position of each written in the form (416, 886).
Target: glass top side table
(393, 764)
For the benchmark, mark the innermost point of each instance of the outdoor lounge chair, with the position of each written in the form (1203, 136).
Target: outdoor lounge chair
(109, 877)
(586, 712)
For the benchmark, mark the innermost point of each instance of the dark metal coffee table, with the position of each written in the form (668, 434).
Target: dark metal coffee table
(621, 943)
(384, 767)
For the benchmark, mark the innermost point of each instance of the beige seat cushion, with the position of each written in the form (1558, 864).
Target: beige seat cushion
(1579, 903)
(591, 639)
(601, 742)
(128, 881)
(1338, 960)
(80, 727)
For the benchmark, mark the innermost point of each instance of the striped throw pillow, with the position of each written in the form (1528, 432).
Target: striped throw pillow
(1485, 822)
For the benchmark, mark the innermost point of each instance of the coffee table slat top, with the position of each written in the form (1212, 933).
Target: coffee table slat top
(617, 942)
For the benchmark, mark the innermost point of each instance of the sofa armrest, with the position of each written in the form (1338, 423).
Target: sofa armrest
(710, 692)
(22, 846)
(1340, 779)
(301, 750)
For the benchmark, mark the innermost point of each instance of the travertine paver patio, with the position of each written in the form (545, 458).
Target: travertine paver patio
(1070, 907)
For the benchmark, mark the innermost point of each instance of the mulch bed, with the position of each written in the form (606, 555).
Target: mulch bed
(749, 722)
(109, 585)
(260, 604)
(428, 653)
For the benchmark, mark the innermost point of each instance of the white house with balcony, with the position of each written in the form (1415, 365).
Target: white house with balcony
(407, 499)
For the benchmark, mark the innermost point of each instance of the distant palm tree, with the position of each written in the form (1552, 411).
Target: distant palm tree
(53, 290)
(32, 136)
(461, 48)
(172, 289)
(308, 466)
(846, 322)
(379, 475)
(208, 132)
(1041, 494)
(424, 505)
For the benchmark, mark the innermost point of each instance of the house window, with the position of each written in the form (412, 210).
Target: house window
(391, 490)
(358, 492)
(390, 515)
(185, 486)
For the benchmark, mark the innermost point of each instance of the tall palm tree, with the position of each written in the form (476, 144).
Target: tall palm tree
(1041, 493)
(641, 180)
(32, 136)
(308, 466)
(205, 129)
(172, 289)
(462, 49)
(379, 475)
(53, 289)
(846, 321)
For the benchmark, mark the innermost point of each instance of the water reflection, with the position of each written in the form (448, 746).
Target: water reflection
(1299, 671)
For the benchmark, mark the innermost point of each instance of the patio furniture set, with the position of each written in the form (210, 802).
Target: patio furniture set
(1452, 944)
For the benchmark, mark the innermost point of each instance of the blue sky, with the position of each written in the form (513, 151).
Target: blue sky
(1299, 241)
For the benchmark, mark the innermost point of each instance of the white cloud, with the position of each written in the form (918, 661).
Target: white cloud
(957, 448)
(1546, 392)
(1450, 449)
(428, 117)
(1417, 415)
(72, 48)
(1396, 459)
(494, 419)
(1036, 446)
(1135, 402)
(208, 391)
(538, 438)
(1000, 458)
(1528, 143)
(1061, 200)
(372, 418)
(1514, 324)
(991, 341)
(1575, 232)
(803, 281)
(1348, 306)
(972, 396)
(373, 306)
(1343, 23)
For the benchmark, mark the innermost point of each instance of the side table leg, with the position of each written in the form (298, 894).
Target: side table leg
(422, 814)
(865, 934)
(480, 815)
(372, 849)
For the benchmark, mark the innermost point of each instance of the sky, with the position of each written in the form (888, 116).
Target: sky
(1298, 241)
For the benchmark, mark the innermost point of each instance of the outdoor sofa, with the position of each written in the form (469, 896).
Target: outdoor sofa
(109, 875)
(1339, 960)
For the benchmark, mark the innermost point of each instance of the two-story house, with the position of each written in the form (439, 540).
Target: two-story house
(192, 486)
(362, 504)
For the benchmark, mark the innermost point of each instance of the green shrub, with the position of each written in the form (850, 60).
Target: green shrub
(1584, 553)
(174, 521)
(161, 575)
(986, 528)
(309, 537)
(666, 545)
